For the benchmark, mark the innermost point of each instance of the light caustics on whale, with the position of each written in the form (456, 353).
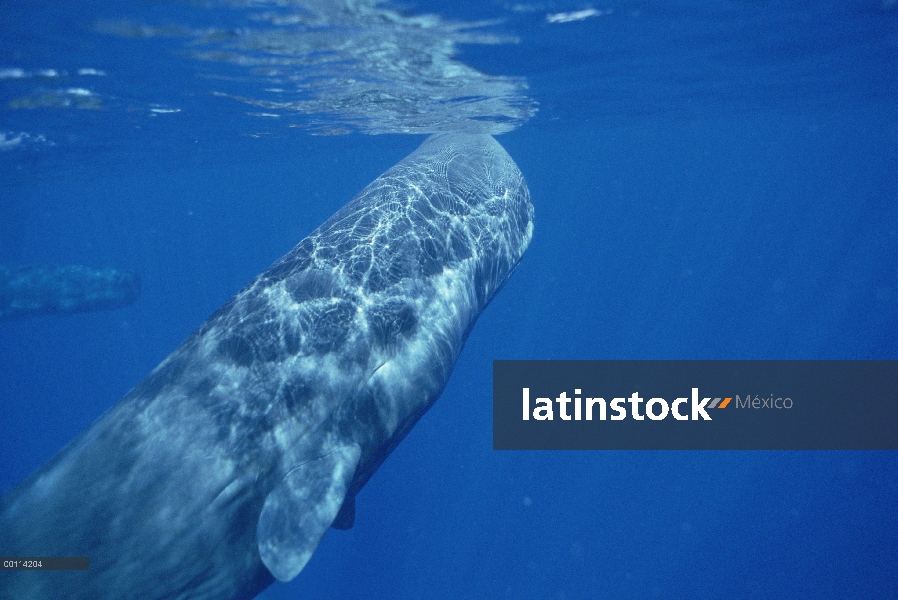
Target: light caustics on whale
(223, 469)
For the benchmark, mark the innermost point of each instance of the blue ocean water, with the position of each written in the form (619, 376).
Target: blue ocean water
(711, 179)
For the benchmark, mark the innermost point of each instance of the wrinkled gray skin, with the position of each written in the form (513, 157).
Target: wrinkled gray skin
(229, 462)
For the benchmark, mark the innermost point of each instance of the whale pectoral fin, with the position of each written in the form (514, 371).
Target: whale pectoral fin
(346, 517)
(301, 508)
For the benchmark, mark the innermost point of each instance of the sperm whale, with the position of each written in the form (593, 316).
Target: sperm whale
(222, 470)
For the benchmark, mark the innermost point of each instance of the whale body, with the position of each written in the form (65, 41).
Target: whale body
(38, 291)
(226, 465)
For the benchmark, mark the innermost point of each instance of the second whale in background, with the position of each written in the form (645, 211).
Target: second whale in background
(38, 291)
(223, 469)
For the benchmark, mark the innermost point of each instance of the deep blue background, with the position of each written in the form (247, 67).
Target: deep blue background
(711, 180)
